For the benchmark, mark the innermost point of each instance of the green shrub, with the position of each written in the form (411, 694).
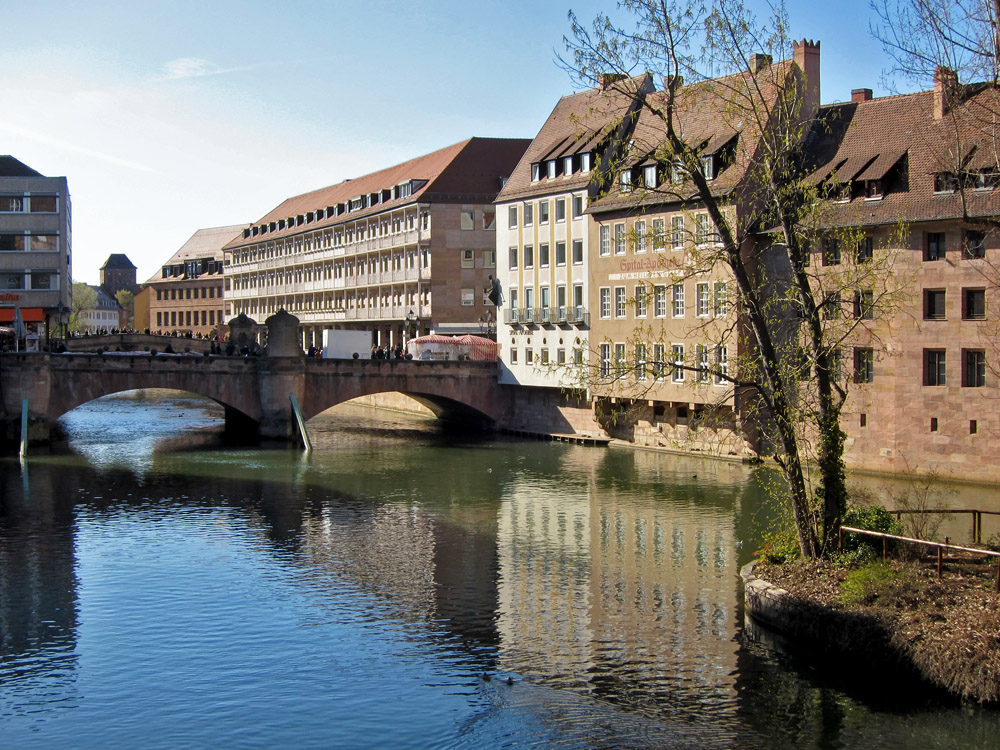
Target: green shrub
(779, 546)
(871, 518)
(865, 584)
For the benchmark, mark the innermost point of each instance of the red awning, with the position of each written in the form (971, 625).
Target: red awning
(28, 315)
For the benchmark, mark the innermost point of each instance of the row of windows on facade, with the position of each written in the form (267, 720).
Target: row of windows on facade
(30, 280)
(25, 203)
(192, 268)
(935, 247)
(565, 166)
(710, 299)
(353, 271)
(651, 176)
(704, 233)
(710, 363)
(531, 314)
(341, 301)
(187, 318)
(340, 237)
(935, 367)
(37, 243)
(544, 257)
(545, 208)
(973, 304)
(357, 203)
(976, 179)
(189, 293)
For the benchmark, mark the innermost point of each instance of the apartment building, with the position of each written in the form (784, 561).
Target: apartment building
(403, 251)
(35, 248)
(186, 296)
(915, 178)
(544, 239)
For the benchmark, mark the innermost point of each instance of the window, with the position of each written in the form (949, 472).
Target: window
(625, 181)
(605, 300)
(468, 259)
(832, 306)
(468, 220)
(677, 233)
(512, 217)
(831, 252)
(578, 206)
(640, 361)
(660, 301)
(529, 256)
(945, 182)
(546, 297)
(577, 252)
(489, 218)
(721, 299)
(11, 204)
(12, 242)
(934, 250)
(701, 229)
(640, 301)
(866, 250)
(605, 241)
(864, 365)
(513, 257)
(973, 368)
(620, 362)
(973, 304)
(863, 304)
(975, 244)
(619, 239)
(659, 367)
(560, 356)
(721, 365)
(529, 356)
(489, 258)
(605, 354)
(567, 166)
(703, 365)
(45, 204)
(659, 236)
(529, 214)
(701, 301)
(934, 307)
(934, 367)
(708, 167)
(543, 255)
(677, 358)
(640, 236)
(543, 212)
(677, 173)
(677, 292)
(536, 172)
(649, 175)
(552, 169)
(560, 253)
(513, 356)
(619, 302)
(560, 209)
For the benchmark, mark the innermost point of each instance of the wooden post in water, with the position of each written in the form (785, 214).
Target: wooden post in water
(24, 427)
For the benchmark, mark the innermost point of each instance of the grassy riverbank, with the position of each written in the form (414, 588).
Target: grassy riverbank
(947, 630)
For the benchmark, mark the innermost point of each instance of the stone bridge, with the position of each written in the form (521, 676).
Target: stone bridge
(254, 391)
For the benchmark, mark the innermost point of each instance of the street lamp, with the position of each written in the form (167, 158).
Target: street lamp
(411, 325)
(63, 314)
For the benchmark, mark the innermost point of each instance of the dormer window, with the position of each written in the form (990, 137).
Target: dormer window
(551, 168)
(985, 179)
(585, 162)
(677, 173)
(708, 167)
(840, 192)
(625, 181)
(945, 182)
(649, 176)
(874, 189)
(536, 172)
(567, 166)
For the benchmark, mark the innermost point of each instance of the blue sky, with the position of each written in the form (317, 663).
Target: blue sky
(174, 115)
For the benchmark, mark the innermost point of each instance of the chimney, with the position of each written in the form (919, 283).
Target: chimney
(806, 57)
(758, 62)
(860, 95)
(672, 83)
(945, 90)
(609, 78)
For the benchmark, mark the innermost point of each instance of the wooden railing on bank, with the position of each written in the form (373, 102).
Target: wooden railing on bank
(938, 546)
(977, 518)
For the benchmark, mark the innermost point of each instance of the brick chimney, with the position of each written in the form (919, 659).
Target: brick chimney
(806, 57)
(758, 62)
(860, 95)
(609, 78)
(945, 90)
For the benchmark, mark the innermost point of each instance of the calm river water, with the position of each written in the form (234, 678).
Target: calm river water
(158, 594)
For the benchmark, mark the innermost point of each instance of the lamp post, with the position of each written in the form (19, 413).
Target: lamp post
(411, 326)
(63, 314)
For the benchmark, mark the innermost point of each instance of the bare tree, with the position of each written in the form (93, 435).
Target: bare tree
(745, 171)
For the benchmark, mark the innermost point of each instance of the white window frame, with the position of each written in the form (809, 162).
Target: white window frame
(677, 301)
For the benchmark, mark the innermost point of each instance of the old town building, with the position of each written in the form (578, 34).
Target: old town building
(403, 250)
(186, 296)
(35, 248)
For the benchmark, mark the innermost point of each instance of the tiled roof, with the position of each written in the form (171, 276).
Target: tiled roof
(205, 243)
(578, 124)
(118, 260)
(471, 169)
(11, 167)
(707, 115)
(899, 137)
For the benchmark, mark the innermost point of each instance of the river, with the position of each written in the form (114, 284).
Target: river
(403, 586)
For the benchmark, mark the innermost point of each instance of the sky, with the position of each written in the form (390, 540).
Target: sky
(170, 116)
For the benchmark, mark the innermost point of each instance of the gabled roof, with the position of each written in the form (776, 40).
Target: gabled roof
(11, 167)
(866, 140)
(205, 243)
(469, 171)
(118, 260)
(578, 124)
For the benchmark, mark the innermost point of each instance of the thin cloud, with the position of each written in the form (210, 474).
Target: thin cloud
(67, 146)
(196, 67)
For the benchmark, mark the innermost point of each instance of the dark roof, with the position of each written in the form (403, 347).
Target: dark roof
(470, 171)
(898, 138)
(579, 123)
(11, 167)
(117, 261)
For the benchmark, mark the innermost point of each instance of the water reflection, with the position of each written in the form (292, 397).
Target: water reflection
(355, 597)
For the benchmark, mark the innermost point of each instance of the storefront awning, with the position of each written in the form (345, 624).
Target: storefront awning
(28, 315)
